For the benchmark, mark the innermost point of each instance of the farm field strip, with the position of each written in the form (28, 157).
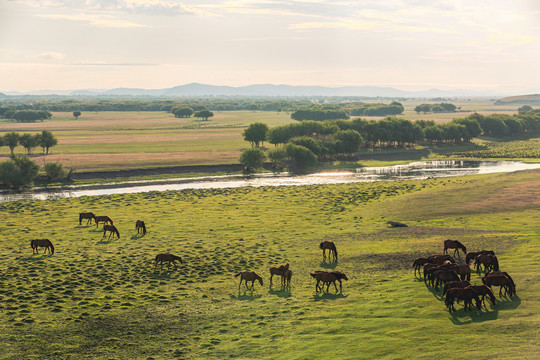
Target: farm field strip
(100, 299)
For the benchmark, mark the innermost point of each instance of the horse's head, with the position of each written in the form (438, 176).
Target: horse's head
(464, 248)
(260, 280)
(321, 245)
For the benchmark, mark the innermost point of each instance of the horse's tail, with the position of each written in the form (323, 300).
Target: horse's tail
(80, 219)
(321, 246)
(495, 263)
(32, 243)
(236, 275)
(334, 249)
(52, 247)
(157, 257)
(143, 228)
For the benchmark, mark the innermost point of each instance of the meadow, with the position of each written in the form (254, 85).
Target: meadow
(99, 299)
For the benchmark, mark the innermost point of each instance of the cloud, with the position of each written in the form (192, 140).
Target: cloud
(102, 63)
(52, 55)
(96, 20)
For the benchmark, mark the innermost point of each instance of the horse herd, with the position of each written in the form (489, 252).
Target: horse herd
(325, 277)
(443, 269)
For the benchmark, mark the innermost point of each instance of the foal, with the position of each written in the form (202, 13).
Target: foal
(248, 276)
(278, 271)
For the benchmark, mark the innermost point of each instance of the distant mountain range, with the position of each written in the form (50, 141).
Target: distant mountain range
(533, 99)
(196, 89)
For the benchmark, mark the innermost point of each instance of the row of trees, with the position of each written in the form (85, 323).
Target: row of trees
(318, 114)
(436, 108)
(19, 171)
(394, 108)
(45, 140)
(24, 115)
(186, 112)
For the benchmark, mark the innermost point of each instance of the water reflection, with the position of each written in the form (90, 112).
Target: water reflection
(415, 170)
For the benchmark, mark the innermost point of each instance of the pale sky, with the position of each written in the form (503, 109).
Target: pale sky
(407, 44)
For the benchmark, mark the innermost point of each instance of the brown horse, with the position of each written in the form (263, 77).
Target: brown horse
(454, 244)
(280, 271)
(467, 294)
(86, 215)
(328, 278)
(103, 219)
(248, 276)
(439, 259)
(112, 229)
(489, 261)
(170, 258)
(500, 280)
(444, 276)
(464, 271)
(472, 255)
(287, 278)
(46, 243)
(491, 273)
(331, 249)
(418, 263)
(455, 284)
(484, 290)
(140, 227)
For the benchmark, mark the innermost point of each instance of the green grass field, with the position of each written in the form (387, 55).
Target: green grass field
(96, 299)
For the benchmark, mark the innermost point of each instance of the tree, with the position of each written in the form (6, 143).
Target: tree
(182, 112)
(18, 172)
(47, 140)
(308, 143)
(76, 114)
(252, 159)
(301, 157)
(54, 171)
(347, 141)
(525, 108)
(12, 140)
(205, 114)
(29, 141)
(255, 134)
(278, 157)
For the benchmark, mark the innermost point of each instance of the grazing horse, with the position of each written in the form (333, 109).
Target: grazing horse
(444, 276)
(418, 263)
(248, 276)
(454, 244)
(287, 278)
(464, 271)
(328, 278)
(484, 290)
(467, 294)
(46, 243)
(455, 284)
(278, 271)
(139, 226)
(491, 273)
(112, 229)
(500, 280)
(86, 215)
(439, 259)
(103, 219)
(170, 258)
(489, 261)
(331, 249)
(472, 255)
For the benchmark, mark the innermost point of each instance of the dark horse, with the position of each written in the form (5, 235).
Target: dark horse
(112, 229)
(472, 255)
(86, 215)
(489, 261)
(331, 249)
(454, 244)
(467, 294)
(418, 263)
(328, 278)
(46, 243)
(170, 258)
(248, 276)
(501, 280)
(103, 219)
(139, 226)
(279, 271)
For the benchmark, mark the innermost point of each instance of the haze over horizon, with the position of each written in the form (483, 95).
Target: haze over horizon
(154, 44)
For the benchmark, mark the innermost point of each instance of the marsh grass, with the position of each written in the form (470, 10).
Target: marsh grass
(99, 299)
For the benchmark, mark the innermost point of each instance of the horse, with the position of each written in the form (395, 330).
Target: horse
(170, 258)
(112, 229)
(419, 262)
(489, 261)
(328, 278)
(278, 271)
(439, 259)
(103, 219)
(444, 276)
(484, 290)
(86, 215)
(287, 278)
(248, 276)
(331, 249)
(139, 226)
(490, 273)
(454, 244)
(464, 271)
(467, 294)
(396, 224)
(500, 280)
(455, 284)
(472, 255)
(46, 243)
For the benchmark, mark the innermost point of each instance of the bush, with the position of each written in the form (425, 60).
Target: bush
(252, 159)
(301, 157)
(18, 172)
(55, 171)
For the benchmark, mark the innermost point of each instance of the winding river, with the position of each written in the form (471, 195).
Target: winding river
(415, 170)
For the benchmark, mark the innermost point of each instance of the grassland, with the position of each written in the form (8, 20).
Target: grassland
(103, 299)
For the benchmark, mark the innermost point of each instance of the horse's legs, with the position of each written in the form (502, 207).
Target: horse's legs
(333, 282)
(247, 287)
(240, 284)
(271, 275)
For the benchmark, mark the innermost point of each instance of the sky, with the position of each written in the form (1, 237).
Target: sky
(488, 45)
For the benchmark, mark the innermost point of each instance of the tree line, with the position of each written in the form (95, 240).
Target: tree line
(436, 108)
(24, 115)
(45, 140)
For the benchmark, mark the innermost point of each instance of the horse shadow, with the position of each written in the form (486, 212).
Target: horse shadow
(137, 237)
(329, 296)
(436, 292)
(247, 295)
(329, 264)
(283, 292)
(464, 317)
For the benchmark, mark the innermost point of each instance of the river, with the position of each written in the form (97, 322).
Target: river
(411, 171)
